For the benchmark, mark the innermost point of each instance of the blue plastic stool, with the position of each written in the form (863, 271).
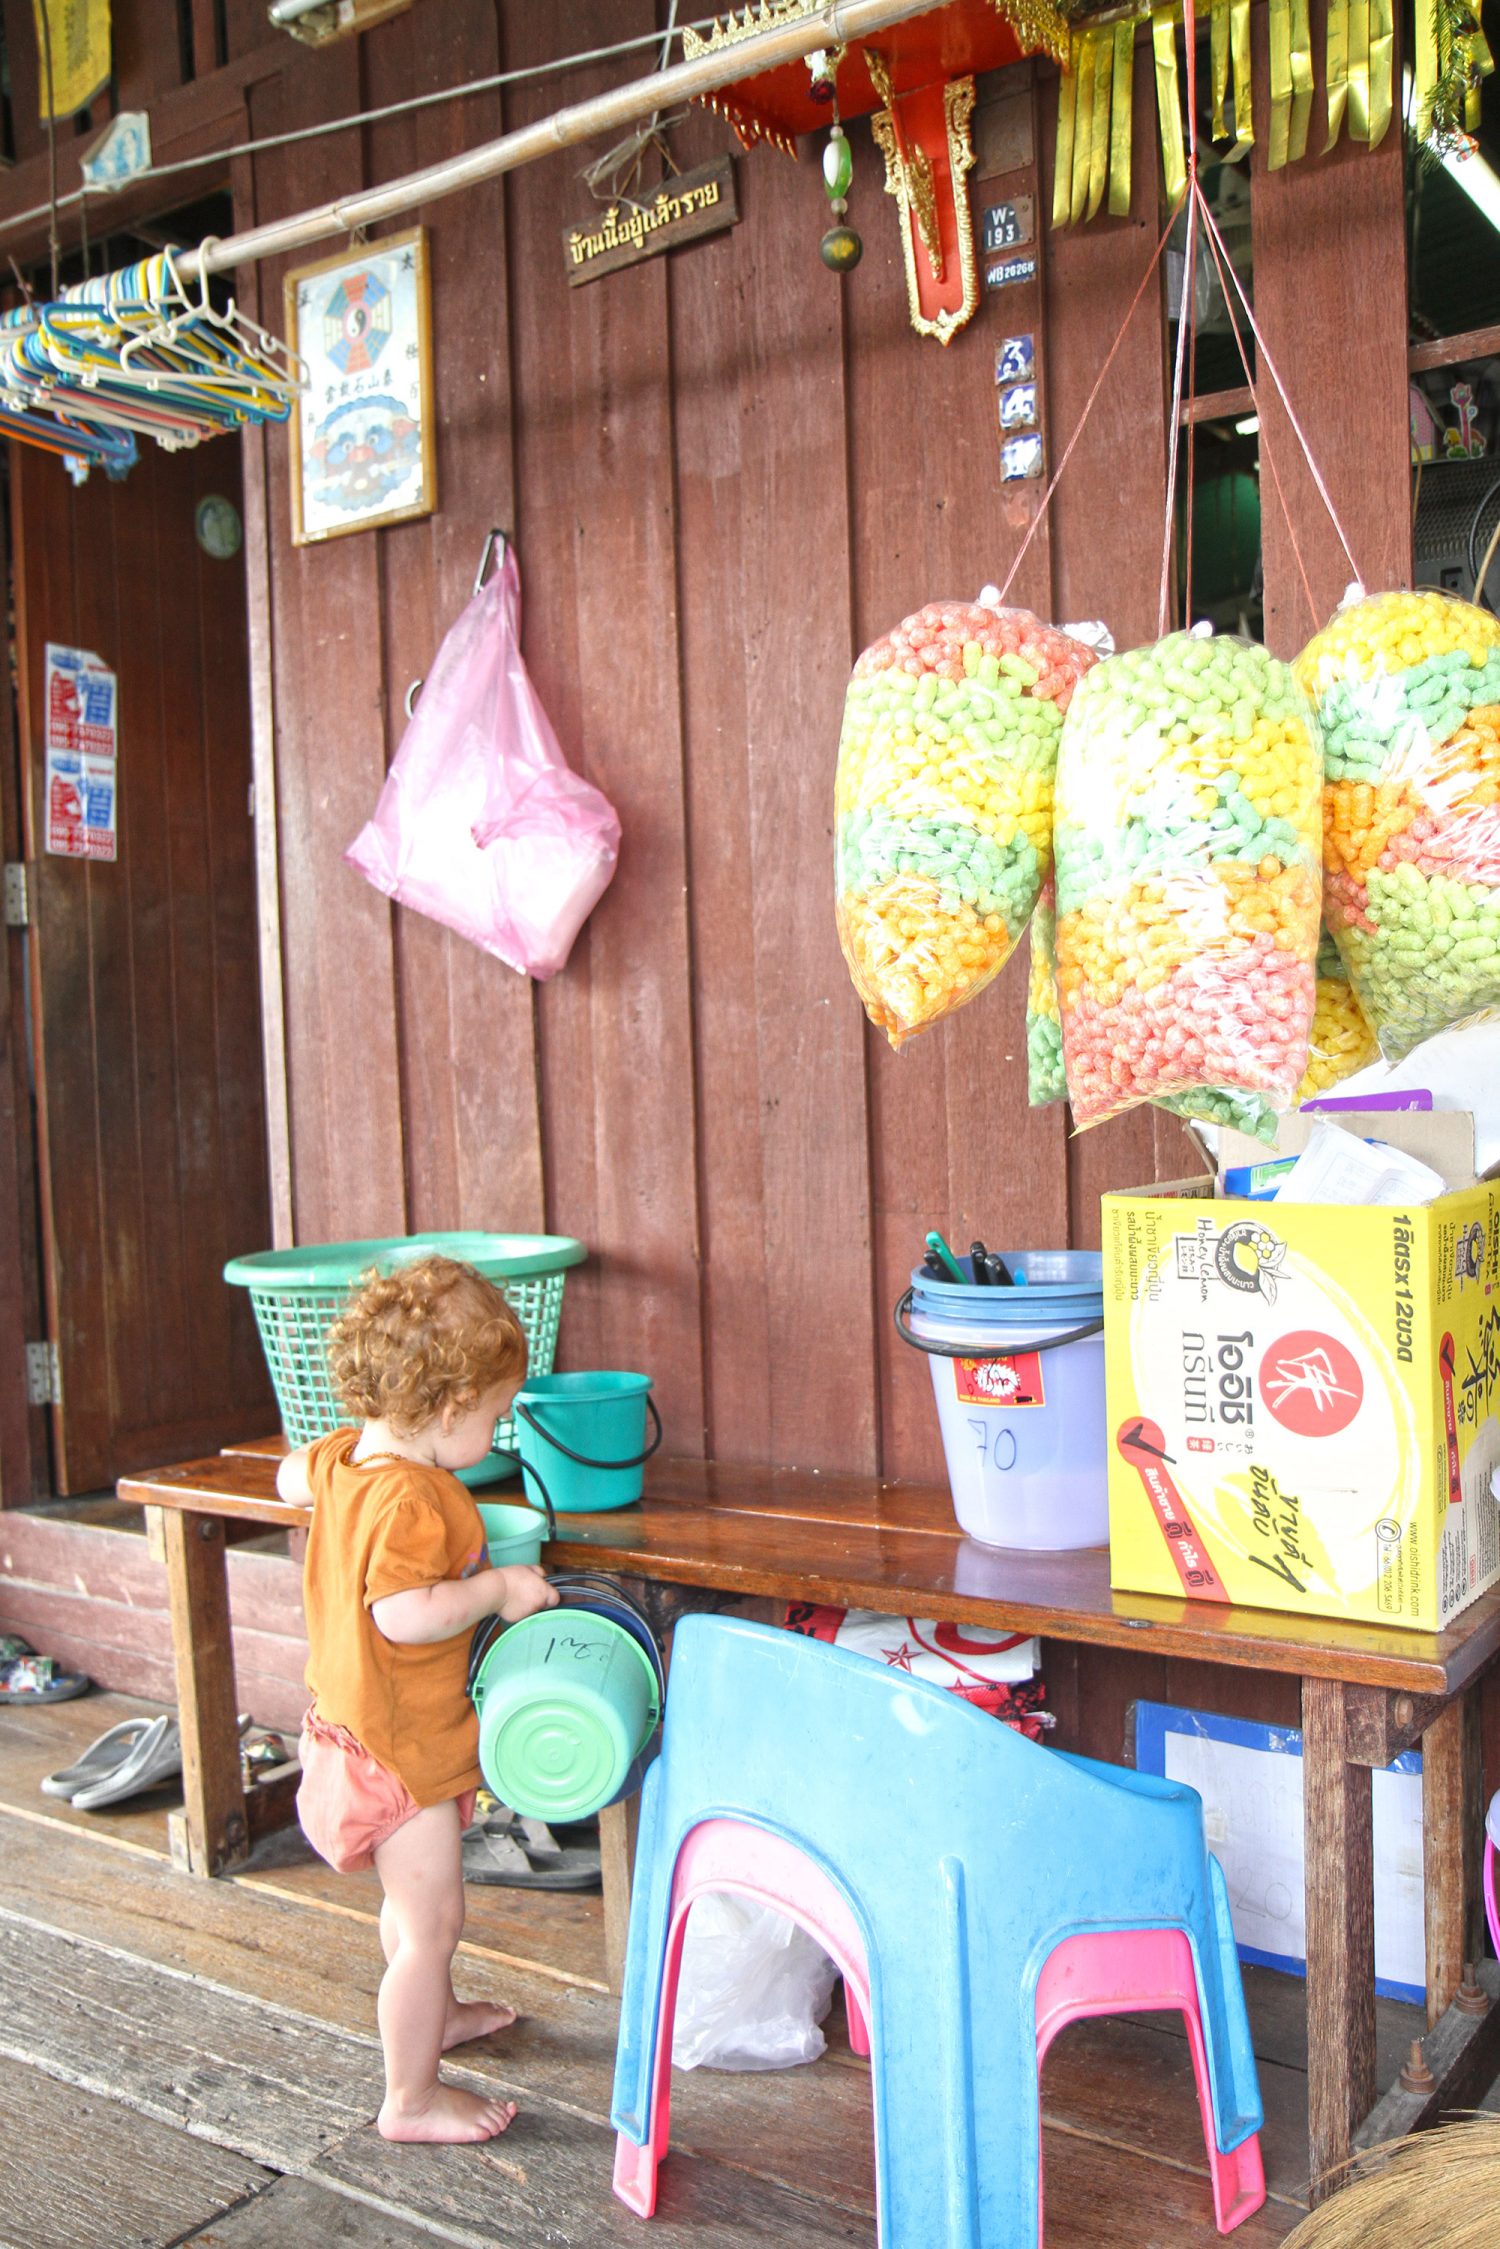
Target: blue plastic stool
(964, 1856)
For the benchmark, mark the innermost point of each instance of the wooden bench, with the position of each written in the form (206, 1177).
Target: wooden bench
(1368, 1692)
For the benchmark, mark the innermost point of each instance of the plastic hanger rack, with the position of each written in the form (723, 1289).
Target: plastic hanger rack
(133, 354)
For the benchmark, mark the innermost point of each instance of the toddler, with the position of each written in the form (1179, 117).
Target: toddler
(395, 1580)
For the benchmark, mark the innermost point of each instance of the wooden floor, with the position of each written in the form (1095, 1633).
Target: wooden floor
(196, 2062)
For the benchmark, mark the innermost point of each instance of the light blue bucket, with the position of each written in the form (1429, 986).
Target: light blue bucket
(1018, 1375)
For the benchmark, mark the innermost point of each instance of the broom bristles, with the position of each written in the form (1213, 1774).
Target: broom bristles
(1436, 2190)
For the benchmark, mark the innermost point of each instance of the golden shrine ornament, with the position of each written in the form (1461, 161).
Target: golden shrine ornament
(917, 88)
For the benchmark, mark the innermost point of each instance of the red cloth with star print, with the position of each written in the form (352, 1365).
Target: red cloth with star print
(994, 1670)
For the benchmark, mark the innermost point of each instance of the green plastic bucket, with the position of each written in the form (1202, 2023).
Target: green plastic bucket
(567, 1701)
(582, 1439)
(512, 1534)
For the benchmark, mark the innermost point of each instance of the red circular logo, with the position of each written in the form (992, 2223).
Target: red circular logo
(1311, 1383)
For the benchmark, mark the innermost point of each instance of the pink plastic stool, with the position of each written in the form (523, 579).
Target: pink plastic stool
(732, 1855)
(1132, 1972)
(1127, 1972)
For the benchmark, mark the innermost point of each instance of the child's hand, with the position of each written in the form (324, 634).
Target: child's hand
(526, 1591)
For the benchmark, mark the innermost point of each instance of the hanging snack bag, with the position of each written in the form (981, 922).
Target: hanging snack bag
(1339, 1043)
(1187, 839)
(944, 803)
(1044, 1056)
(1046, 1080)
(1407, 687)
(1341, 1040)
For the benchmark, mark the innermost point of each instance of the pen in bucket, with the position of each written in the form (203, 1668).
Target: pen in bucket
(951, 1267)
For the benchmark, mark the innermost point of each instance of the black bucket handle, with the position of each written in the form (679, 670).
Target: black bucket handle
(582, 1459)
(936, 1350)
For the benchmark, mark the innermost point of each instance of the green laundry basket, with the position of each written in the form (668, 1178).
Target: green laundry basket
(297, 1294)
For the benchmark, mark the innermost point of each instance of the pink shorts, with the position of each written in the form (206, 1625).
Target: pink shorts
(349, 1803)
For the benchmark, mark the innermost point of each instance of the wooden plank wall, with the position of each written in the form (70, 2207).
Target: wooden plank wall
(725, 473)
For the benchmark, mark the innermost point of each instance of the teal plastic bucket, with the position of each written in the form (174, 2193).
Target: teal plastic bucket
(512, 1534)
(582, 1439)
(567, 1701)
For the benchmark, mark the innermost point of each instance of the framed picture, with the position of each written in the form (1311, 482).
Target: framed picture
(362, 432)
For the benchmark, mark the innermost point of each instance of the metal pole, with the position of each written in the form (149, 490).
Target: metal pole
(829, 26)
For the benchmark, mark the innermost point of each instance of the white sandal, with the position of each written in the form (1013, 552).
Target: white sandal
(156, 1756)
(102, 1758)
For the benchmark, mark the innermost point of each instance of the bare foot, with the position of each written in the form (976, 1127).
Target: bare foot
(474, 2018)
(445, 2114)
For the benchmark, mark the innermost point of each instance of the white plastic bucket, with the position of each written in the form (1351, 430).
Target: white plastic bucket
(1018, 1375)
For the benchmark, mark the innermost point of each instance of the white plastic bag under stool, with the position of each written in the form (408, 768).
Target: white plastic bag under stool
(753, 1990)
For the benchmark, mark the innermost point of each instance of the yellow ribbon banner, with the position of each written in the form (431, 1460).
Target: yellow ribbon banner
(1122, 103)
(1302, 79)
(1168, 101)
(1239, 50)
(1104, 74)
(1382, 67)
(1083, 128)
(1281, 84)
(1095, 97)
(1218, 64)
(76, 32)
(1424, 67)
(1336, 66)
(1062, 166)
(1359, 70)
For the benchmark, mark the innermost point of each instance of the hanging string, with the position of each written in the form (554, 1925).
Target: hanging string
(1227, 282)
(612, 176)
(1088, 406)
(1187, 344)
(1194, 200)
(1189, 272)
(1275, 374)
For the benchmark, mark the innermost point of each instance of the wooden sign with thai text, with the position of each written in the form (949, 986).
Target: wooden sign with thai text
(660, 218)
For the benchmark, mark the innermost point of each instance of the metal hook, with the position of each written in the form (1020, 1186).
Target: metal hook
(493, 539)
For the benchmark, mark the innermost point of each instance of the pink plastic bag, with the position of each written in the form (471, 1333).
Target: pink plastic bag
(482, 824)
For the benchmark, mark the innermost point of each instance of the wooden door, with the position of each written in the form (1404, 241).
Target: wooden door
(145, 992)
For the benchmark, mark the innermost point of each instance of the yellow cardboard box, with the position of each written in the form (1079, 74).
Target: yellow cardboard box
(1303, 1401)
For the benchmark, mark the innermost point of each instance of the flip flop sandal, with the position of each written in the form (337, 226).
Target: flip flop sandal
(99, 1760)
(493, 1852)
(26, 1676)
(156, 1757)
(538, 1841)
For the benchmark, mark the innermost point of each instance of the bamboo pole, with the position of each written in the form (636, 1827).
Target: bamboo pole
(829, 26)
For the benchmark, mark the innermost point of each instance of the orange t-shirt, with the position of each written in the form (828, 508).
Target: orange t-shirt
(378, 1529)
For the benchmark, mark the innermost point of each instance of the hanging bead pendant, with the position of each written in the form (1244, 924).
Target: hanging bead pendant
(838, 164)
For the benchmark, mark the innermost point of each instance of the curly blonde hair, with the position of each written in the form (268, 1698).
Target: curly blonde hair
(432, 1334)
